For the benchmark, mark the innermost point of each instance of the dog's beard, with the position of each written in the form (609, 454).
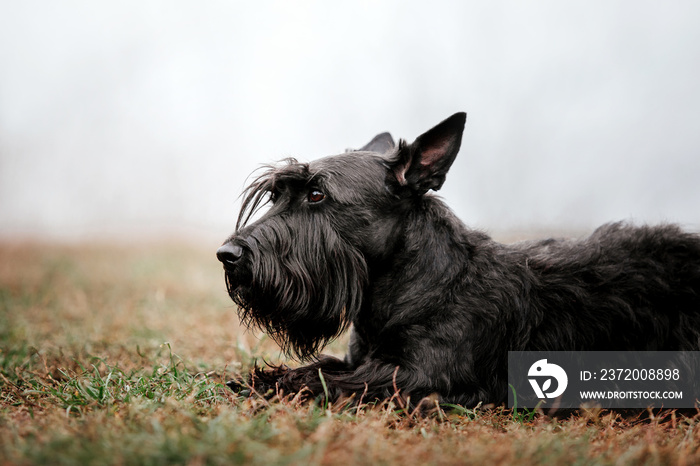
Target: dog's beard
(302, 290)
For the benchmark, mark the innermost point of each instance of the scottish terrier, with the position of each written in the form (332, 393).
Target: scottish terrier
(357, 238)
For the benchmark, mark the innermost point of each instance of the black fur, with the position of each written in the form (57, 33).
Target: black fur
(434, 306)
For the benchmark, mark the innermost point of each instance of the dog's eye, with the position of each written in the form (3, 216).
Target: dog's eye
(316, 196)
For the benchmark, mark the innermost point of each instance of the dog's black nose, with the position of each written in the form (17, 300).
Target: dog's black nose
(229, 253)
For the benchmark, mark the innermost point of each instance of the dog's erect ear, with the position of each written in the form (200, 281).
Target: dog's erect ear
(382, 143)
(423, 164)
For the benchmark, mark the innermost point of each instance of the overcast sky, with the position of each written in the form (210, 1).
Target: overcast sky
(131, 117)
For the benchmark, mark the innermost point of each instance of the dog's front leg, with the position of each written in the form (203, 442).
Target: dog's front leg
(373, 380)
(273, 380)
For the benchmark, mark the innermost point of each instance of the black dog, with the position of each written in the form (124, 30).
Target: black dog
(435, 307)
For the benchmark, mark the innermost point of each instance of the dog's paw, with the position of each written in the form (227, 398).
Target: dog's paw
(239, 387)
(260, 381)
(266, 381)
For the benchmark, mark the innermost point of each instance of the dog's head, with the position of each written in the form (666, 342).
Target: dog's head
(300, 271)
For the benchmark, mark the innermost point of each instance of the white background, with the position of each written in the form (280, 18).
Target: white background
(131, 118)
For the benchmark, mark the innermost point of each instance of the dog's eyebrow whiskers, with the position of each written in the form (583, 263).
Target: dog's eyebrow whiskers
(254, 196)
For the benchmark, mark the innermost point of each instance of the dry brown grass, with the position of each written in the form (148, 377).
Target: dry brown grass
(115, 354)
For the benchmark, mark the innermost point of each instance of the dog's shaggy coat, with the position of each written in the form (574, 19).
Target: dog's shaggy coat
(435, 307)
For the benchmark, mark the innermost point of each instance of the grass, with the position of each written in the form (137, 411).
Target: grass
(114, 354)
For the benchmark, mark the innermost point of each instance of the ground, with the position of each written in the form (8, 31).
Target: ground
(117, 354)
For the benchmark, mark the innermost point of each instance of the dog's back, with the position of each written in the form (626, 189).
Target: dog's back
(622, 288)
